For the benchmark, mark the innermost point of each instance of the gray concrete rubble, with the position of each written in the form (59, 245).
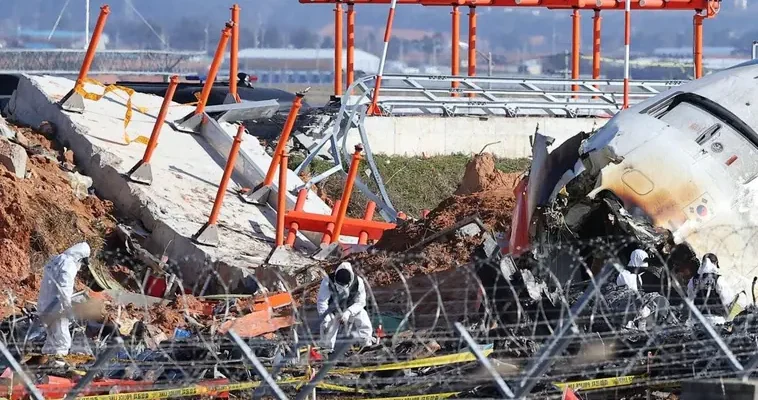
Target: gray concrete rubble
(13, 157)
(186, 168)
(5, 130)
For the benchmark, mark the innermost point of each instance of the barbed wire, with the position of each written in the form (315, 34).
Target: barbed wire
(537, 331)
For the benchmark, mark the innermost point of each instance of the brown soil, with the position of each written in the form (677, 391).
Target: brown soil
(481, 176)
(40, 217)
(485, 192)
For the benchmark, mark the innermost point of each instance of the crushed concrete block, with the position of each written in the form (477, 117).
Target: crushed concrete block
(13, 157)
(5, 130)
(80, 184)
(469, 230)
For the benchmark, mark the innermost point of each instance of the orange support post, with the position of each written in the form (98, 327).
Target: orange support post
(338, 49)
(208, 234)
(350, 43)
(575, 47)
(167, 98)
(297, 103)
(217, 58)
(294, 226)
(368, 215)
(327, 237)
(455, 57)
(352, 173)
(471, 43)
(698, 44)
(141, 171)
(234, 52)
(281, 202)
(597, 21)
(92, 48)
(351, 227)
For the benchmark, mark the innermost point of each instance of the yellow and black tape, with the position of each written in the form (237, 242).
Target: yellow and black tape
(113, 88)
(457, 358)
(214, 390)
(602, 383)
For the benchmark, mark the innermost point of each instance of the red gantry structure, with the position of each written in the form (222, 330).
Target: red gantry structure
(703, 9)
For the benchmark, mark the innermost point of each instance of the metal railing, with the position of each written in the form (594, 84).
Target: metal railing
(511, 97)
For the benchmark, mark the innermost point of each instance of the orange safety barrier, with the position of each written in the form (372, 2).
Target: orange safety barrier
(208, 234)
(347, 191)
(710, 7)
(234, 52)
(141, 171)
(281, 202)
(334, 225)
(350, 226)
(292, 232)
(368, 215)
(218, 57)
(327, 238)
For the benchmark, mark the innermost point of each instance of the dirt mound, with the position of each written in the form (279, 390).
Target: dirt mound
(485, 192)
(481, 176)
(40, 217)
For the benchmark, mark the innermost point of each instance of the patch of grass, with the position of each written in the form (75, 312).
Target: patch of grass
(413, 184)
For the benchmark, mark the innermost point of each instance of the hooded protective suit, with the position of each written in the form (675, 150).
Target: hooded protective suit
(631, 276)
(341, 302)
(55, 293)
(712, 294)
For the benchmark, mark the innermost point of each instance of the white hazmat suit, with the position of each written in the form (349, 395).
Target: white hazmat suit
(637, 263)
(725, 294)
(55, 294)
(341, 302)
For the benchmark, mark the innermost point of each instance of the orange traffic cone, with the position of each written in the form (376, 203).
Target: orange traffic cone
(568, 394)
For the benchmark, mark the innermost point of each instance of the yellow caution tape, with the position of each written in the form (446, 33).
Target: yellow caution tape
(433, 396)
(602, 383)
(420, 363)
(112, 88)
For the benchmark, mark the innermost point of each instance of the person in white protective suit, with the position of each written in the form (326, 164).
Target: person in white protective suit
(712, 294)
(631, 277)
(54, 303)
(341, 303)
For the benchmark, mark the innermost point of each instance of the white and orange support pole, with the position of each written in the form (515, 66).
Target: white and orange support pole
(234, 52)
(471, 43)
(697, 44)
(455, 46)
(350, 43)
(627, 44)
(597, 21)
(575, 47)
(338, 28)
(372, 110)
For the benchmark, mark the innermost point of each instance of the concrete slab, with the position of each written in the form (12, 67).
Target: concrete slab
(186, 170)
(435, 135)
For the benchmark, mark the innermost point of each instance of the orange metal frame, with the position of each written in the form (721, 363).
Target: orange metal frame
(703, 8)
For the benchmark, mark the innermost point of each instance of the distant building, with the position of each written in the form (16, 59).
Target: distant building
(301, 65)
(686, 52)
(36, 39)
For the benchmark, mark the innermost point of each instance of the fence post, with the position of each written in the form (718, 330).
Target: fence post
(208, 234)
(74, 100)
(142, 172)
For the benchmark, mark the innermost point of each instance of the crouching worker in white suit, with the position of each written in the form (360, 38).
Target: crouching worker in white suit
(54, 303)
(341, 303)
